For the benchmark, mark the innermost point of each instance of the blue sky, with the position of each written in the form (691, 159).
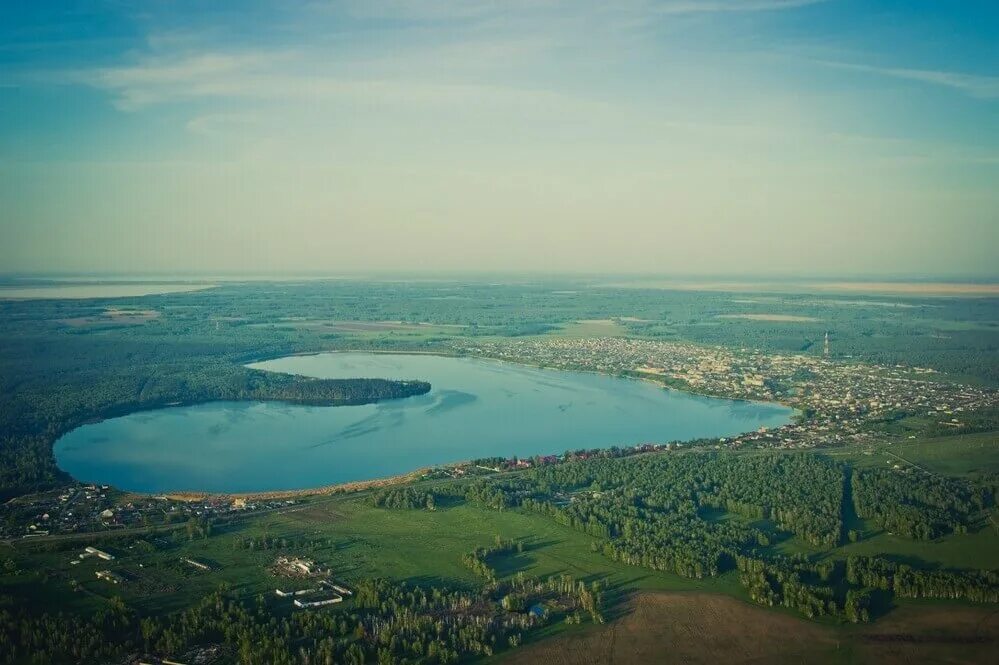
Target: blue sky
(680, 136)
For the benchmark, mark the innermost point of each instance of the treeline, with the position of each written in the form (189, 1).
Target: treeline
(476, 560)
(915, 504)
(267, 543)
(325, 392)
(408, 498)
(385, 623)
(908, 582)
(797, 585)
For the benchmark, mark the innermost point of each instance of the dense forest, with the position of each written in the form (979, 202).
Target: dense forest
(916, 504)
(700, 514)
(655, 511)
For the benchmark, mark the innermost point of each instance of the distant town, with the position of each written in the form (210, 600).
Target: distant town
(838, 400)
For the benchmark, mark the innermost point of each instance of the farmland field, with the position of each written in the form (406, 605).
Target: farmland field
(706, 629)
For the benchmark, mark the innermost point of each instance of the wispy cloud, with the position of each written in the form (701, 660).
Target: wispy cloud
(160, 79)
(287, 76)
(974, 85)
(492, 57)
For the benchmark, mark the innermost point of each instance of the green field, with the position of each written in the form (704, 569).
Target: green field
(591, 328)
(359, 541)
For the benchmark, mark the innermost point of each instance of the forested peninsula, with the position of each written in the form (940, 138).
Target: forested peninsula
(55, 394)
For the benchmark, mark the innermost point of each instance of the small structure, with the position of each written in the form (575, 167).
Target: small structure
(196, 564)
(93, 551)
(114, 578)
(300, 592)
(297, 567)
(305, 604)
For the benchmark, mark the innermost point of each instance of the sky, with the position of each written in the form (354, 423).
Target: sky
(682, 137)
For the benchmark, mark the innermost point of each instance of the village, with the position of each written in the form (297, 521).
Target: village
(87, 508)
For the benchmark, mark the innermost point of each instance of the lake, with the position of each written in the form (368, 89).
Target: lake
(476, 408)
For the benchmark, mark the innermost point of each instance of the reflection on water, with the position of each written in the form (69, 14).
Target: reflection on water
(477, 408)
(449, 399)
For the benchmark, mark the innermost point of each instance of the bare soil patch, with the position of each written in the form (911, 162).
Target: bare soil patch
(916, 288)
(113, 317)
(932, 634)
(688, 628)
(711, 628)
(357, 326)
(866, 288)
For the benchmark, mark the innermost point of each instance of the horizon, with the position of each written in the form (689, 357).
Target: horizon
(474, 275)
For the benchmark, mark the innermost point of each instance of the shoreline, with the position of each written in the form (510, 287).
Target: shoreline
(409, 476)
(322, 490)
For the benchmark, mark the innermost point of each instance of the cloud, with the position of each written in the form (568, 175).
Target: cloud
(973, 85)
(492, 58)
(285, 76)
(163, 79)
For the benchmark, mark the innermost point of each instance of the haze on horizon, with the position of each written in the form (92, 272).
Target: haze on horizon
(833, 137)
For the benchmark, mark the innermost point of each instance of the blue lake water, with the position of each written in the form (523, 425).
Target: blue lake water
(476, 408)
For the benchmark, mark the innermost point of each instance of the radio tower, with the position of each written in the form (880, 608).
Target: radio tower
(825, 350)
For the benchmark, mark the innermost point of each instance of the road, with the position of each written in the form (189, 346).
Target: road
(167, 528)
